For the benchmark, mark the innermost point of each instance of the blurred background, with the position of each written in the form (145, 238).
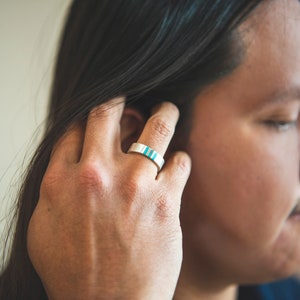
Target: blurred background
(29, 31)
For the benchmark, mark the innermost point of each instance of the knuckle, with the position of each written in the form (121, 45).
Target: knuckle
(182, 162)
(105, 108)
(92, 177)
(97, 111)
(161, 126)
(164, 207)
(137, 189)
(101, 111)
(133, 189)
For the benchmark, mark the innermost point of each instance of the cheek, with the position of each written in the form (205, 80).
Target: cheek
(245, 183)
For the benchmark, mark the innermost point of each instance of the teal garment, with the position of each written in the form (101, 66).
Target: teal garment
(288, 289)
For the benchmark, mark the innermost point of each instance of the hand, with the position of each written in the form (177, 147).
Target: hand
(107, 225)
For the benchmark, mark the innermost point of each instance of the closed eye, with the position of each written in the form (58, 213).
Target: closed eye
(281, 125)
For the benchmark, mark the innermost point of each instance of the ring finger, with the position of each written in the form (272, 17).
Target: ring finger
(159, 129)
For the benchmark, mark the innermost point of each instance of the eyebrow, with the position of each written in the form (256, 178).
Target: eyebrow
(287, 95)
(291, 93)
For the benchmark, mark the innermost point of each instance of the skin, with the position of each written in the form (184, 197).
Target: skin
(245, 176)
(100, 232)
(235, 212)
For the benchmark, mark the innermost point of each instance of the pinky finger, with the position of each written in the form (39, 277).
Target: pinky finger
(175, 173)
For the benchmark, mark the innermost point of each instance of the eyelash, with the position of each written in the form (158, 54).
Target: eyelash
(281, 126)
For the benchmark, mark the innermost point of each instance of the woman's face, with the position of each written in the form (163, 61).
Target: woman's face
(245, 149)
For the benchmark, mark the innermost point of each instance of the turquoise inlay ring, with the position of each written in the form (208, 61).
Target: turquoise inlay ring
(147, 152)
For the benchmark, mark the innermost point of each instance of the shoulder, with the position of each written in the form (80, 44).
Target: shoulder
(287, 289)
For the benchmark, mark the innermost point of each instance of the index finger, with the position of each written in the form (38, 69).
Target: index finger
(102, 135)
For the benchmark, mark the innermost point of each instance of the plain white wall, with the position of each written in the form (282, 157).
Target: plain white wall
(29, 31)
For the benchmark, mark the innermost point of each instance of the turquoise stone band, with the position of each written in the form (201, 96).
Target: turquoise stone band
(149, 153)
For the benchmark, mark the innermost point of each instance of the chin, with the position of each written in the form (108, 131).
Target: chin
(273, 269)
(266, 277)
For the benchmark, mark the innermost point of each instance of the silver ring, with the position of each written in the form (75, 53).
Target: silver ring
(147, 152)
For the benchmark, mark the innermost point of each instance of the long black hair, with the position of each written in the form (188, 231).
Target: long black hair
(148, 51)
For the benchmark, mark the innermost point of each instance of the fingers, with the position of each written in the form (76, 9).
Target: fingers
(160, 127)
(102, 134)
(69, 147)
(158, 132)
(176, 171)
(175, 174)
(102, 137)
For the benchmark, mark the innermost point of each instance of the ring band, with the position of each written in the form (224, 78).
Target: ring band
(149, 153)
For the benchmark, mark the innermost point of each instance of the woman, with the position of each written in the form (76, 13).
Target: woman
(97, 219)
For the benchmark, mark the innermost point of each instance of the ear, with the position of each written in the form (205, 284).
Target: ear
(132, 124)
